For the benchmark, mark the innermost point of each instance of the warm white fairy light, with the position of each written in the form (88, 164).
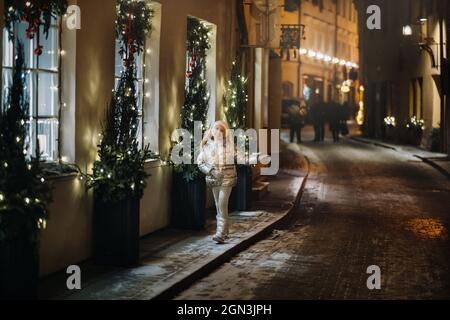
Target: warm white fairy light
(326, 58)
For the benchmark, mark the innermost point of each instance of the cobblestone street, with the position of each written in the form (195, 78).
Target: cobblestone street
(363, 205)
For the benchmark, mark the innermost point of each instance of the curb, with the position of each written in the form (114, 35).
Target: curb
(435, 166)
(424, 160)
(209, 267)
(375, 143)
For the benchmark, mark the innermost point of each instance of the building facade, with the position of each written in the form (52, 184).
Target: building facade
(403, 67)
(328, 59)
(74, 79)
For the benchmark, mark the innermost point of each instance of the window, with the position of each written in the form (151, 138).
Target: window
(42, 86)
(140, 85)
(147, 86)
(288, 89)
(209, 72)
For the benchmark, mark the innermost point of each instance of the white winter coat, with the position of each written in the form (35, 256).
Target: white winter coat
(217, 162)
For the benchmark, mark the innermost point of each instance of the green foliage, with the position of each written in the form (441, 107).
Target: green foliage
(35, 10)
(24, 194)
(235, 98)
(119, 172)
(416, 125)
(132, 26)
(196, 101)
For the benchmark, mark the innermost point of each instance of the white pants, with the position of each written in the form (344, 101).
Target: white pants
(221, 197)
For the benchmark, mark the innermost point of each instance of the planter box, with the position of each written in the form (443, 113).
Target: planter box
(415, 137)
(19, 269)
(116, 232)
(188, 203)
(241, 197)
(390, 133)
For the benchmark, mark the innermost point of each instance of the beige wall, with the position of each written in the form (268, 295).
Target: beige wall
(322, 28)
(173, 44)
(389, 57)
(67, 239)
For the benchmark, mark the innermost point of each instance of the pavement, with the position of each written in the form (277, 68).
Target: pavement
(439, 161)
(172, 260)
(363, 206)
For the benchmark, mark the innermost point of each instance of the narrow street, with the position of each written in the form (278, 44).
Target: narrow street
(363, 205)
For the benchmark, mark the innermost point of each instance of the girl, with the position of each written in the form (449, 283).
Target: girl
(217, 162)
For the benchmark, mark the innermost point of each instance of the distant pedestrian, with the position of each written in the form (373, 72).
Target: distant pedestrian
(294, 123)
(345, 115)
(334, 118)
(318, 119)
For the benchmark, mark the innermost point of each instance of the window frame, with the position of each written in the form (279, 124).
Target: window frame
(33, 76)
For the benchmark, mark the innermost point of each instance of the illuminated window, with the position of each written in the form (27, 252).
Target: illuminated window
(42, 87)
(147, 86)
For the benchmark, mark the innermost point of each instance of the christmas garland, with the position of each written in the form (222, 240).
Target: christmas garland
(235, 98)
(196, 101)
(132, 26)
(24, 193)
(119, 172)
(35, 13)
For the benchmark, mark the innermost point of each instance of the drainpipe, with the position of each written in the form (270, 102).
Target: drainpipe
(443, 130)
(335, 93)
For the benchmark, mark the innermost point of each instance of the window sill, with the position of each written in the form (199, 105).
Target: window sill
(154, 163)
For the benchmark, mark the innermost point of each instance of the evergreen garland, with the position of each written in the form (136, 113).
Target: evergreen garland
(36, 13)
(24, 194)
(132, 26)
(235, 98)
(196, 101)
(119, 173)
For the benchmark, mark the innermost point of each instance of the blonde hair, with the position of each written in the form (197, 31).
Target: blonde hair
(224, 127)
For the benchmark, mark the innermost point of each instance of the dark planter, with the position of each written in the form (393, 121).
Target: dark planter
(390, 133)
(116, 232)
(188, 203)
(415, 137)
(241, 197)
(19, 269)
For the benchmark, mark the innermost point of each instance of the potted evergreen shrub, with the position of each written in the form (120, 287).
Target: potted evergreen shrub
(189, 186)
(119, 176)
(390, 124)
(119, 179)
(235, 102)
(24, 194)
(415, 128)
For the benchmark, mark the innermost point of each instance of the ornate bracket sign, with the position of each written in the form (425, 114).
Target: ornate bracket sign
(291, 37)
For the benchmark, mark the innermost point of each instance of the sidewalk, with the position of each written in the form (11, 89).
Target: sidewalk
(174, 259)
(439, 161)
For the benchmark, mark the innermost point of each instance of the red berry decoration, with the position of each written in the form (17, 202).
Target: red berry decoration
(38, 50)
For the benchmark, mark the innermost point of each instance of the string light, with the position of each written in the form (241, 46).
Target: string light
(326, 58)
